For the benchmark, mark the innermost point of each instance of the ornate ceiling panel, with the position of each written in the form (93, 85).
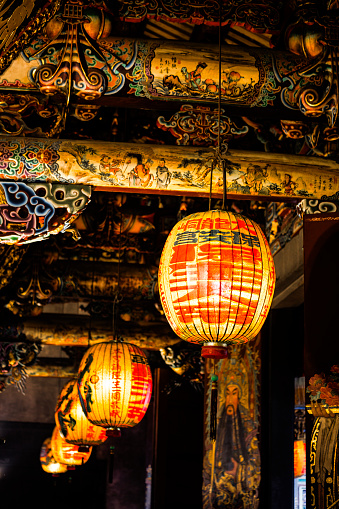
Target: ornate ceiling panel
(259, 16)
(20, 20)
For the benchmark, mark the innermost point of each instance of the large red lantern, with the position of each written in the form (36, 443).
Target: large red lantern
(115, 385)
(216, 280)
(47, 460)
(66, 453)
(73, 425)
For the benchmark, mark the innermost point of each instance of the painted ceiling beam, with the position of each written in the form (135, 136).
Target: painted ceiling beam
(76, 333)
(48, 368)
(88, 62)
(159, 169)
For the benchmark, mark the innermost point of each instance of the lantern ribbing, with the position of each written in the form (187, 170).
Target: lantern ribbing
(114, 385)
(73, 424)
(47, 460)
(67, 453)
(216, 278)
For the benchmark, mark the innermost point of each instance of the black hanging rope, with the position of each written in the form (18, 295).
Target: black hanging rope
(221, 148)
(117, 298)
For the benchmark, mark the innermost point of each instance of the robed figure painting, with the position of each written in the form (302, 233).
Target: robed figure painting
(232, 462)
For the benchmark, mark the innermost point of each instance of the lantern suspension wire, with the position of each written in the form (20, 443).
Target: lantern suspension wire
(117, 298)
(91, 311)
(218, 159)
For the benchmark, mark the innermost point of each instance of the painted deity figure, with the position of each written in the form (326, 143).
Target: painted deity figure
(288, 184)
(237, 447)
(255, 177)
(236, 460)
(193, 78)
(163, 175)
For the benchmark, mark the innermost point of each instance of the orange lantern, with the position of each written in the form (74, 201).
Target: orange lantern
(115, 385)
(216, 280)
(73, 425)
(299, 458)
(47, 460)
(66, 453)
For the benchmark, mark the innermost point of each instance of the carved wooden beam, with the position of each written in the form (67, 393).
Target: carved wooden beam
(128, 69)
(75, 332)
(178, 170)
(51, 368)
(263, 16)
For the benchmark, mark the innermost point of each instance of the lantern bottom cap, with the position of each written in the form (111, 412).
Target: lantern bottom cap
(113, 432)
(83, 448)
(70, 467)
(214, 351)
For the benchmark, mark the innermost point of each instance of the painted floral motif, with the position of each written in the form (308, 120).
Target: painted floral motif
(5, 153)
(29, 160)
(325, 388)
(33, 212)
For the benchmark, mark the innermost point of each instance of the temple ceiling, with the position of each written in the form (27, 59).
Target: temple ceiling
(109, 119)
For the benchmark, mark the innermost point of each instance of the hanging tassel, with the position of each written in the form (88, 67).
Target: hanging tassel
(214, 408)
(111, 464)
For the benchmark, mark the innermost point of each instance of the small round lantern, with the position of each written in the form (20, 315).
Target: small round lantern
(73, 424)
(216, 280)
(48, 462)
(115, 385)
(66, 453)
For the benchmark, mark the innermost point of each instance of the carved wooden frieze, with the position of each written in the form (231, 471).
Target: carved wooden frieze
(261, 16)
(20, 21)
(200, 126)
(34, 211)
(160, 169)
(76, 55)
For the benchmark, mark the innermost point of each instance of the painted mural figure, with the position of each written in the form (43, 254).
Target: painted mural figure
(232, 466)
(255, 177)
(193, 78)
(109, 167)
(163, 175)
(236, 452)
(133, 177)
(288, 184)
(140, 175)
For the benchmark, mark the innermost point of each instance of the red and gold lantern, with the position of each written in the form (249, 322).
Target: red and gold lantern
(216, 280)
(66, 453)
(47, 460)
(73, 424)
(115, 385)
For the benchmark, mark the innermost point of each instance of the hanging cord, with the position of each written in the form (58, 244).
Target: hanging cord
(117, 297)
(214, 405)
(116, 300)
(213, 426)
(218, 160)
(91, 304)
(221, 148)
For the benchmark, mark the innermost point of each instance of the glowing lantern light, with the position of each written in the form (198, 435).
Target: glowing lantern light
(47, 460)
(299, 458)
(216, 280)
(73, 425)
(66, 453)
(115, 385)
